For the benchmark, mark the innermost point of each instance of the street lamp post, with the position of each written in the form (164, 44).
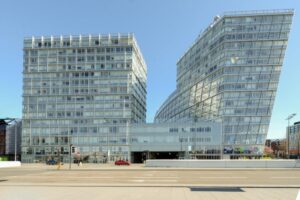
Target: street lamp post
(70, 152)
(288, 132)
(181, 140)
(221, 136)
(16, 140)
(298, 155)
(222, 140)
(128, 135)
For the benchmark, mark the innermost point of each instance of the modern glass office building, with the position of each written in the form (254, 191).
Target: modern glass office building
(83, 91)
(293, 141)
(230, 74)
(90, 92)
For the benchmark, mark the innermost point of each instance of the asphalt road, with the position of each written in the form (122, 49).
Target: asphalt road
(138, 175)
(137, 182)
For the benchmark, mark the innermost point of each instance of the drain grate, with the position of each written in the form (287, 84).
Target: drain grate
(216, 189)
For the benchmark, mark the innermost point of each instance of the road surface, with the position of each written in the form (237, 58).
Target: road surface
(136, 182)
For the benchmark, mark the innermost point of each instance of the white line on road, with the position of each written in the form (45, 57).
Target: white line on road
(148, 174)
(298, 196)
(97, 177)
(157, 177)
(149, 180)
(139, 181)
(220, 177)
(286, 177)
(55, 177)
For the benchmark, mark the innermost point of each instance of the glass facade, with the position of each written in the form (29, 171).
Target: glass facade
(293, 140)
(196, 140)
(84, 91)
(230, 74)
(13, 138)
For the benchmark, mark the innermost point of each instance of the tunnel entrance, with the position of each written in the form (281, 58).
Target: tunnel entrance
(164, 155)
(140, 157)
(137, 157)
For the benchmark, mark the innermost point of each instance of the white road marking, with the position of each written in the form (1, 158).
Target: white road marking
(220, 177)
(285, 177)
(164, 180)
(158, 177)
(91, 177)
(298, 196)
(141, 181)
(94, 177)
(148, 174)
(154, 177)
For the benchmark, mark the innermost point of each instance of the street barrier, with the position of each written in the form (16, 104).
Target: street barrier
(224, 163)
(4, 164)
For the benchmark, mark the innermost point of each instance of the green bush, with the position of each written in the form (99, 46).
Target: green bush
(3, 158)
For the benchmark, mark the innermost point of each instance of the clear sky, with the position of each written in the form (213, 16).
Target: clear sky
(164, 30)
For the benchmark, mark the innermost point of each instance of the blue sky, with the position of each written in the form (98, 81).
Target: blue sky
(164, 30)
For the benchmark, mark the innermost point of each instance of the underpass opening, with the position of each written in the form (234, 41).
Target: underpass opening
(164, 155)
(140, 157)
(137, 157)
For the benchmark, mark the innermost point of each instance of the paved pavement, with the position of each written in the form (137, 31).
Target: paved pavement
(35, 181)
(142, 193)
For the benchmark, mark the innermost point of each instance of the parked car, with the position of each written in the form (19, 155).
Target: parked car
(122, 162)
(51, 162)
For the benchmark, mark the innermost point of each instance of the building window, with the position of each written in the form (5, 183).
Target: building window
(173, 130)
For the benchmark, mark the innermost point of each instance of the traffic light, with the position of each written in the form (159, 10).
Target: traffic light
(73, 150)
